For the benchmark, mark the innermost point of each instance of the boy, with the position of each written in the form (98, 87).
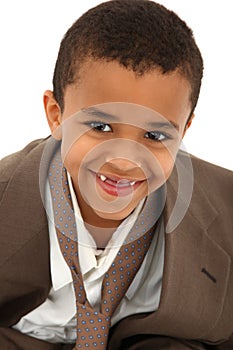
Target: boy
(111, 238)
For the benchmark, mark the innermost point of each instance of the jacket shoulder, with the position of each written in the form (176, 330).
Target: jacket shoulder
(204, 168)
(9, 163)
(216, 181)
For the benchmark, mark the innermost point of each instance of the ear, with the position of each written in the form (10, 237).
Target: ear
(53, 114)
(188, 124)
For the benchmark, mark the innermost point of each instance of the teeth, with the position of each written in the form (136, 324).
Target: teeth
(102, 177)
(121, 182)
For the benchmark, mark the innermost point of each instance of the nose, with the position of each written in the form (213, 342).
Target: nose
(122, 164)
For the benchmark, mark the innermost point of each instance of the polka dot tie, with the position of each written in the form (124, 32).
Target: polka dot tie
(93, 326)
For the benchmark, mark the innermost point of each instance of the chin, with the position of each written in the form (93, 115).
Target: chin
(117, 216)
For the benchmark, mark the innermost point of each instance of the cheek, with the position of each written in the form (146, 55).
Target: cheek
(166, 156)
(74, 156)
(165, 162)
(167, 165)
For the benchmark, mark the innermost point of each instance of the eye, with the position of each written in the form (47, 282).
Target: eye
(157, 136)
(100, 126)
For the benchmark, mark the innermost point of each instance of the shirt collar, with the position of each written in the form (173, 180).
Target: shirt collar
(87, 247)
(60, 271)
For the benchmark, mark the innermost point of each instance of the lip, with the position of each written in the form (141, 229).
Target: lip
(118, 189)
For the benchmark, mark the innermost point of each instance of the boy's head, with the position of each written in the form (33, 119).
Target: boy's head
(140, 35)
(138, 64)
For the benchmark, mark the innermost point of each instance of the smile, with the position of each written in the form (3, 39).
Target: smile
(117, 186)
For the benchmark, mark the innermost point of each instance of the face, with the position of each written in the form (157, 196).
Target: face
(120, 135)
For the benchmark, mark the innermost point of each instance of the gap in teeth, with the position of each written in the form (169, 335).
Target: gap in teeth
(104, 178)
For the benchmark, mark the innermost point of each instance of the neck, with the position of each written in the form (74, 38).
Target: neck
(101, 235)
(100, 228)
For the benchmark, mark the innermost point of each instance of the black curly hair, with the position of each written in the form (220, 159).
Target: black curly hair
(140, 35)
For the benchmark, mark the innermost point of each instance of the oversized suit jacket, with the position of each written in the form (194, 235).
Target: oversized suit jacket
(196, 306)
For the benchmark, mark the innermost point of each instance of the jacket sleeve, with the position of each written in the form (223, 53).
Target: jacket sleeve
(150, 341)
(228, 345)
(11, 339)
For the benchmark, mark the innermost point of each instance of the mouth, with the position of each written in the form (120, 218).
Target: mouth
(117, 186)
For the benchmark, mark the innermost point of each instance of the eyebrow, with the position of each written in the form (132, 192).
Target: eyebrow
(169, 125)
(98, 113)
(110, 117)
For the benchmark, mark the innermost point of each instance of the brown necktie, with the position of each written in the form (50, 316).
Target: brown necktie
(93, 326)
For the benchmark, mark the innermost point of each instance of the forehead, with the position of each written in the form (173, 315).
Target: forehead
(103, 82)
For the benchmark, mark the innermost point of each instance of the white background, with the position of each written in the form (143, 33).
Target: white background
(30, 34)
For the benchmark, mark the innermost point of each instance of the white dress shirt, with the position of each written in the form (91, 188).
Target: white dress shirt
(55, 319)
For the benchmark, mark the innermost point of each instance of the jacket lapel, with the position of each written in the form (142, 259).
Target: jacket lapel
(21, 210)
(196, 268)
(195, 278)
(24, 262)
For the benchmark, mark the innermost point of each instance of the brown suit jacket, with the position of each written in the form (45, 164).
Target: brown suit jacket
(196, 306)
